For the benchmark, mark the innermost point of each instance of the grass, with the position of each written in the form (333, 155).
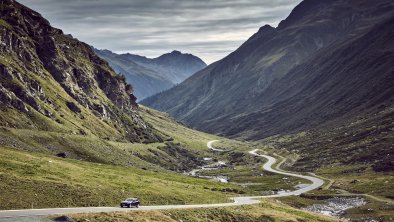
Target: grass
(256, 179)
(171, 129)
(192, 145)
(5, 24)
(363, 140)
(88, 148)
(360, 179)
(246, 170)
(38, 180)
(353, 180)
(373, 210)
(100, 172)
(269, 60)
(266, 212)
(356, 156)
(112, 170)
(299, 202)
(182, 144)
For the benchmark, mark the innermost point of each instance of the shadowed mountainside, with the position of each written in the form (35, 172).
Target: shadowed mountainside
(326, 72)
(327, 60)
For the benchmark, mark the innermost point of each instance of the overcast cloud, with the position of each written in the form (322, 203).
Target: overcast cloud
(210, 29)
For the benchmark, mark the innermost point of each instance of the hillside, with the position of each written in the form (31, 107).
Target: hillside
(367, 140)
(53, 82)
(327, 62)
(151, 76)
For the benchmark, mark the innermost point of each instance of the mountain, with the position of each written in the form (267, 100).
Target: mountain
(327, 62)
(145, 80)
(53, 82)
(174, 66)
(151, 76)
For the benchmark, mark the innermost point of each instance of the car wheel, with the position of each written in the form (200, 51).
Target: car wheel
(137, 205)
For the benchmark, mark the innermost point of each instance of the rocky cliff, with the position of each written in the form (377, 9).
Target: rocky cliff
(53, 82)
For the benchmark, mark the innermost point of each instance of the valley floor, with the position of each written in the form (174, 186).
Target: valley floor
(238, 201)
(100, 173)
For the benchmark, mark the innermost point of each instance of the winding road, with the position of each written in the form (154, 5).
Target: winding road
(36, 214)
(209, 145)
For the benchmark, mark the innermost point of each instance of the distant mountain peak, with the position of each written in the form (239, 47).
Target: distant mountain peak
(266, 28)
(153, 75)
(176, 52)
(304, 9)
(134, 55)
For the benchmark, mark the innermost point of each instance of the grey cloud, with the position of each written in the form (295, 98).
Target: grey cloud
(210, 29)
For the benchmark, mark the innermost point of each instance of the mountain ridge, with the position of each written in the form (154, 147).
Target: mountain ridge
(258, 68)
(153, 75)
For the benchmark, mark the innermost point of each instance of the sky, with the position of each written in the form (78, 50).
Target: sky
(209, 29)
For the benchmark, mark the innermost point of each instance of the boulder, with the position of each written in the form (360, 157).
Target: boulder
(62, 154)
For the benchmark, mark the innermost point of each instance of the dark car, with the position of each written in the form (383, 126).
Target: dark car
(130, 202)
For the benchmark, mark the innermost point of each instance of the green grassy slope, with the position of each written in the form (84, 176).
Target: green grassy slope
(102, 172)
(171, 129)
(37, 180)
(268, 211)
(110, 171)
(182, 149)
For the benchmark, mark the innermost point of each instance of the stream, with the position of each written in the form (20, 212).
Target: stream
(336, 206)
(212, 166)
